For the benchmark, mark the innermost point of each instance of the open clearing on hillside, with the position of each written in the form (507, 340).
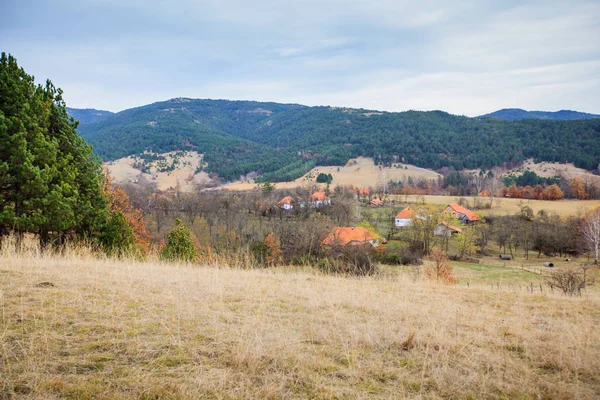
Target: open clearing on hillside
(79, 327)
(359, 172)
(504, 206)
(184, 173)
(549, 170)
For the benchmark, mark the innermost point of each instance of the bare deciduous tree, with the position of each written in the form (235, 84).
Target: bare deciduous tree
(590, 231)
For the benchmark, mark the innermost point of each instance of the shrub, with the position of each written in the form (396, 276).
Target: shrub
(350, 260)
(259, 250)
(117, 236)
(411, 259)
(440, 270)
(570, 281)
(274, 253)
(180, 244)
(324, 178)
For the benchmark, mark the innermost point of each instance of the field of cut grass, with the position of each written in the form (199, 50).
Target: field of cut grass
(79, 327)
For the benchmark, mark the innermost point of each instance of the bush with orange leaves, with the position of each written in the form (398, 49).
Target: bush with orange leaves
(120, 201)
(440, 270)
(274, 253)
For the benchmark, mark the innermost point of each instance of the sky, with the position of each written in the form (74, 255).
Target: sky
(465, 57)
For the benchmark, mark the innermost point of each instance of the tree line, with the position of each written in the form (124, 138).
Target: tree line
(238, 138)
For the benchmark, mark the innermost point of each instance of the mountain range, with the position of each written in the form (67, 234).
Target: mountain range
(282, 141)
(514, 114)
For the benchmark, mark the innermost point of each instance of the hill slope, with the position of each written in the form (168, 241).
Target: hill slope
(87, 115)
(120, 329)
(514, 114)
(284, 141)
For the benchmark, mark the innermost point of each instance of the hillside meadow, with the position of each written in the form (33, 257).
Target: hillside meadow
(78, 326)
(503, 206)
(359, 172)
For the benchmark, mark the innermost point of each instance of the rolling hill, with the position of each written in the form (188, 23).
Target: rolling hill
(281, 142)
(515, 114)
(87, 115)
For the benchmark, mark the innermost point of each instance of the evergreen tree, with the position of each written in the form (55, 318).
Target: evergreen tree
(50, 181)
(180, 244)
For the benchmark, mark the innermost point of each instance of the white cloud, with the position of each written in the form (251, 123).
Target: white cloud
(464, 57)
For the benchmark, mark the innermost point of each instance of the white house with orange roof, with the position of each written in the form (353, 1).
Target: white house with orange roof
(404, 217)
(319, 199)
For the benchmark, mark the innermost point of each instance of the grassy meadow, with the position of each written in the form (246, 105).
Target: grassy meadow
(83, 327)
(504, 206)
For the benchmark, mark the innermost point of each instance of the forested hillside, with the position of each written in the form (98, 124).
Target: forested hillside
(514, 114)
(87, 115)
(282, 141)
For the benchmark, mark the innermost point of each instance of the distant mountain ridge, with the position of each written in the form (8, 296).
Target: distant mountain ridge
(516, 114)
(87, 115)
(280, 142)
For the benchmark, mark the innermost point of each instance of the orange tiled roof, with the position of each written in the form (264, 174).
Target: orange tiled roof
(407, 213)
(460, 209)
(364, 192)
(377, 202)
(285, 200)
(319, 196)
(343, 235)
(454, 228)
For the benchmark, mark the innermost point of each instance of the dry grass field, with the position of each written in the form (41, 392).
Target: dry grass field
(549, 170)
(79, 327)
(360, 172)
(510, 206)
(122, 171)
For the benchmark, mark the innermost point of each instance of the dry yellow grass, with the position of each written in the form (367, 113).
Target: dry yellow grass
(550, 170)
(511, 206)
(125, 329)
(122, 171)
(360, 172)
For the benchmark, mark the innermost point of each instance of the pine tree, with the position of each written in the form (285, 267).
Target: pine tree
(50, 181)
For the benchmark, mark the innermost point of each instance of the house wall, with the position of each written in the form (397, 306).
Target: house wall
(401, 222)
(441, 230)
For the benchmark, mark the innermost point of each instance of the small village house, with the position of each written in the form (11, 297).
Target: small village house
(351, 236)
(319, 199)
(287, 203)
(445, 229)
(404, 217)
(463, 214)
(376, 203)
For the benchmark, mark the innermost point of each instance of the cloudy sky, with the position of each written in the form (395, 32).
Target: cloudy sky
(462, 56)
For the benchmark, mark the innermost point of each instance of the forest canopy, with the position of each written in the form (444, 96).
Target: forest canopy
(281, 141)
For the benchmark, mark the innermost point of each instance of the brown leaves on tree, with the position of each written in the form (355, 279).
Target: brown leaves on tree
(440, 270)
(577, 187)
(120, 201)
(274, 253)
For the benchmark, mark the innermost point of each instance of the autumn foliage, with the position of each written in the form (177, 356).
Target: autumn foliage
(577, 187)
(440, 270)
(120, 201)
(552, 192)
(274, 253)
